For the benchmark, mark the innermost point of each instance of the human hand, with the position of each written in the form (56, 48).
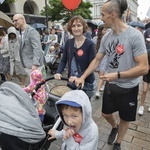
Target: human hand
(79, 81)
(109, 77)
(52, 134)
(57, 76)
(34, 67)
(68, 133)
(72, 79)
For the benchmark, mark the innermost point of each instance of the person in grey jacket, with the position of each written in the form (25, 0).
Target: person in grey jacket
(31, 53)
(80, 131)
(16, 68)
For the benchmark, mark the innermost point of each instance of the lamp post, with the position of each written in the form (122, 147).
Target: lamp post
(46, 13)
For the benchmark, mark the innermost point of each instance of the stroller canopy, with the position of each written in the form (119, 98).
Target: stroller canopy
(18, 116)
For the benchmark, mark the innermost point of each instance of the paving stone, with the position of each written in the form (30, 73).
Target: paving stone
(105, 130)
(136, 134)
(133, 126)
(103, 137)
(144, 124)
(128, 138)
(148, 137)
(143, 130)
(101, 144)
(141, 143)
(145, 117)
(107, 147)
(98, 113)
(129, 146)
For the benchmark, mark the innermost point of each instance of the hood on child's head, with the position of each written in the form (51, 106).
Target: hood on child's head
(36, 75)
(77, 98)
(12, 30)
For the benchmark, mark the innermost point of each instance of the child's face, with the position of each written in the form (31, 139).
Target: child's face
(12, 35)
(73, 118)
(52, 49)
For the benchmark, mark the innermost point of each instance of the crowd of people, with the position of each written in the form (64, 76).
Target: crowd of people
(24, 53)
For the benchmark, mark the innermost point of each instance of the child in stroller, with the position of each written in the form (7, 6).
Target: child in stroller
(40, 96)
(52, 57)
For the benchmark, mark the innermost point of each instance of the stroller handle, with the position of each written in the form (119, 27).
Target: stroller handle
(43, 82)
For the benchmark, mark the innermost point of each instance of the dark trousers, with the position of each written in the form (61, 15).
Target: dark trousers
(2, 77)
(8, 142)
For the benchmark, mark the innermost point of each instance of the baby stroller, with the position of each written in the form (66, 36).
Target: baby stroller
(53, 64)
(51, 119)
(52, 60)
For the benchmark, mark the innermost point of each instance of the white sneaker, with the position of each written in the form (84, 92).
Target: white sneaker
(149, 109)
(141, 110)
(102, 88)
(97, 94)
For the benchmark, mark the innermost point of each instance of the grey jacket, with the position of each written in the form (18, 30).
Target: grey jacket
(14, 46)
(30, 50)
(88, 130)
(18, 116)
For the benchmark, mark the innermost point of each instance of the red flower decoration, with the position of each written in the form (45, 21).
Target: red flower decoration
(119, 49)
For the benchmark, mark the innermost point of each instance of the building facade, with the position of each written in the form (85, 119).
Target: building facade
(32, 8)
(97, 6)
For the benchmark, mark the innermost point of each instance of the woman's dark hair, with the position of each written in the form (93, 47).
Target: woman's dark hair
(77, 18)
(118, 6)
(99, 36)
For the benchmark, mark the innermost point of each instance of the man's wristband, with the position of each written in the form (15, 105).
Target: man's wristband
(118, 74)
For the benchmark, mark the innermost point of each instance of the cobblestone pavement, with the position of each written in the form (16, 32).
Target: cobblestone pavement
(137, 136)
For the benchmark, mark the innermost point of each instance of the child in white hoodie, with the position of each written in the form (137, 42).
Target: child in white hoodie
(80, 131)
(16, 68)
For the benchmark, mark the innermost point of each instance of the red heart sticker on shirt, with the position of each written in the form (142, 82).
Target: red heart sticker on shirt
(119, 49)
(80, 52)
(77, 137)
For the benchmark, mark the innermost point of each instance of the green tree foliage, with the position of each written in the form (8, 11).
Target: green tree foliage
(9, 1)
(56, 11)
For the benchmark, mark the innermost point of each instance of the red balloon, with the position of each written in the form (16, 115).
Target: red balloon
(71, 4)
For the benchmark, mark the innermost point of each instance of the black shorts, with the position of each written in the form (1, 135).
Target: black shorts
(120, 99)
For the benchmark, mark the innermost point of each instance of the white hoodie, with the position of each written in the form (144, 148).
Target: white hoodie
(88, 130)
